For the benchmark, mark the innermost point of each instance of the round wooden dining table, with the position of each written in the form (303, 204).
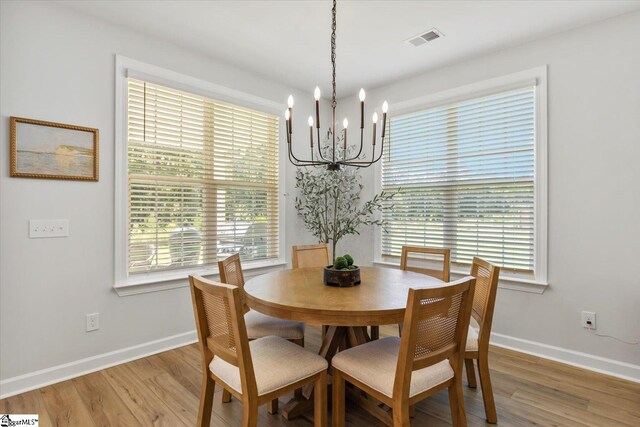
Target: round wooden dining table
(300, 295)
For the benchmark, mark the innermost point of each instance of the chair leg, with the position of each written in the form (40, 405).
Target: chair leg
(337, 406)
(471, 373)
(272, 406)
(401, 414)
(206, 401)
(226, 396)
(412, 411)
(298, 391)
(487, 390)
(320, 401)
(249, 412)
(400, 329)
(456, 402)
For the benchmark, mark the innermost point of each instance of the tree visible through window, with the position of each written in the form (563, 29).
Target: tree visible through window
(202, 179)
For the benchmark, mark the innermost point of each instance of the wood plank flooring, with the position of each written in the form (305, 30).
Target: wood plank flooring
(163, 390)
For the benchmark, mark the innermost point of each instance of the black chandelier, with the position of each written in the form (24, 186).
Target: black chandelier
(331, 162)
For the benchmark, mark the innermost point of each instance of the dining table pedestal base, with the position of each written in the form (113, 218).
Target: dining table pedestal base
(335, 338)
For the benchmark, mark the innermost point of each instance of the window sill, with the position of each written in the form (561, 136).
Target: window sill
(506, 281)
(162, 281)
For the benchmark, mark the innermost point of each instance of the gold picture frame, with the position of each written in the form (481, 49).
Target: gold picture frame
(48, 150)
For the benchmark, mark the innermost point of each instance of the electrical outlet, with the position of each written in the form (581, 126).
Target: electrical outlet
(93, 322)
(589, 319)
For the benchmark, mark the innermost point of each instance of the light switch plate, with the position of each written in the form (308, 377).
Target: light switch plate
(44, 228)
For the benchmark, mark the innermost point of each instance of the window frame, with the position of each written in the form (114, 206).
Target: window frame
(538, 281)
(124, 284)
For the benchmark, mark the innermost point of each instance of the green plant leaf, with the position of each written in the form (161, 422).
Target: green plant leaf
(329, 202)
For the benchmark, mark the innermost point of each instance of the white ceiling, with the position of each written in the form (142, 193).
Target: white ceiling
(288, 41)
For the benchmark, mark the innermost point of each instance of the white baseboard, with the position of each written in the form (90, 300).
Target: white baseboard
(45, 377)
(603, 365)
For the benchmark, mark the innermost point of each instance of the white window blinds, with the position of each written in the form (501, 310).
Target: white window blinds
(466, 177)
(202, 180)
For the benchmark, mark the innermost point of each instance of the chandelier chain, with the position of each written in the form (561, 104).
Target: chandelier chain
(333, 52)
(331, 162)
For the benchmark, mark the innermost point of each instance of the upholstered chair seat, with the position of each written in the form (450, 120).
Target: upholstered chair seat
(260, 325)
(472, 340)
(375, 362)
(277, 363)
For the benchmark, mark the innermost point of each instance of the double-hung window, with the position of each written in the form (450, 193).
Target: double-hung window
(466, 172)
(201, 181)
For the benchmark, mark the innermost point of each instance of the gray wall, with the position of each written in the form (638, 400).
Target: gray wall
(59, 66)
(594, 183)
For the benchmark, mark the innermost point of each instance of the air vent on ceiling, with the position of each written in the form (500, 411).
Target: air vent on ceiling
(423, 38)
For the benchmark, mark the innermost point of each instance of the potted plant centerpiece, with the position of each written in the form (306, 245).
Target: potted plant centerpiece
(329, 202)
(342, 273)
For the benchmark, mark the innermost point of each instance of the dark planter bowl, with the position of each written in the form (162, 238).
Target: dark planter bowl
(341, 278)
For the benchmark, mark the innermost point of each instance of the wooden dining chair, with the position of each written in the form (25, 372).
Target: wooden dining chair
(439, 273)
(258, 325)
(303, 256)
(428, 357)
(255, 372)
(432, 254)
(484, 301)
(306, 256)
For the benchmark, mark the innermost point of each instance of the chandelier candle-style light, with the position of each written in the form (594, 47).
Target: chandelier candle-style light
(334, 163)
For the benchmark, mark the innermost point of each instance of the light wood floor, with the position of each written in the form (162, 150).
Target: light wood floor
(163, 390)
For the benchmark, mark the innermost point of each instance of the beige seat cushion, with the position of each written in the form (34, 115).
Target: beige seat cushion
(472, 340)
(260, 325)
(276, 363)
(374, 364)
(473, 323)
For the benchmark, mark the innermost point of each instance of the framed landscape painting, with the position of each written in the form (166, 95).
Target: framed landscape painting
(53, 150)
